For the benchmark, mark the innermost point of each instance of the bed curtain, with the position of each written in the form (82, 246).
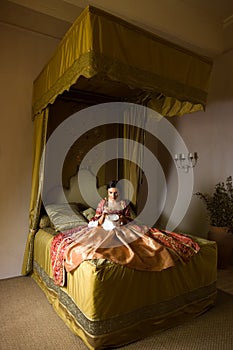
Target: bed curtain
(40, 130)
(101, 52)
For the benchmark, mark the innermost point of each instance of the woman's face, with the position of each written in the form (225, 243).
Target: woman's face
(113, 193)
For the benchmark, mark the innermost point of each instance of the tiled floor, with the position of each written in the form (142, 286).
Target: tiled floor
(225, 280)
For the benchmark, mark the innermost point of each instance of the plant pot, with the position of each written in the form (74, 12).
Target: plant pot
(224, 239)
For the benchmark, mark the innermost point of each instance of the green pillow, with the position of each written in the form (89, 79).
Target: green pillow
(65, 216)
(44, 221)
(89, 213)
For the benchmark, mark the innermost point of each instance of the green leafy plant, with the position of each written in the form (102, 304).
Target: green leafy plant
(219, 205)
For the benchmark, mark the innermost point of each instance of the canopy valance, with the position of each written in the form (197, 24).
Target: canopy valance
(101, 52)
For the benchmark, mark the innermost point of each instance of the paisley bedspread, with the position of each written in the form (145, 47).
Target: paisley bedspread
(131, 245)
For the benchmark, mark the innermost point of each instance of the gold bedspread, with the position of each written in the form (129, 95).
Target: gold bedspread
(111, 304)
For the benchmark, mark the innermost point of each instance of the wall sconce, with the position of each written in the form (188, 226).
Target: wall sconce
(185, 162)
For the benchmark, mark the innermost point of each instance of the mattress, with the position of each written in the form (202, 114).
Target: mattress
(109, 305)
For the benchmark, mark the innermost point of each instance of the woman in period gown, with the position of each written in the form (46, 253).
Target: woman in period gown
(112, 234)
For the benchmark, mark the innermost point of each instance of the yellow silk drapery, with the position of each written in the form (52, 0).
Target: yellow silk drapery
(40, 128)
(132, 170)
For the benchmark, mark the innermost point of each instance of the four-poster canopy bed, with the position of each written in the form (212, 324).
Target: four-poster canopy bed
(105, 59)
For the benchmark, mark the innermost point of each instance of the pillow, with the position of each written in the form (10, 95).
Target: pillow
(73, 194)
(44, 221)
(89, 213)
(65, 216)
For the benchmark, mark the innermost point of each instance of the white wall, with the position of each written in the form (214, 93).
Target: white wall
(23, 55)
(210, 134)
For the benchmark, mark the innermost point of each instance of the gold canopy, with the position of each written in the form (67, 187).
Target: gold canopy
(101, 52)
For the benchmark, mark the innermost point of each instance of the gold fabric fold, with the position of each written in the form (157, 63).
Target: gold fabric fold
(99, 45)
(133, 152)
(170, 106)
(40, 128)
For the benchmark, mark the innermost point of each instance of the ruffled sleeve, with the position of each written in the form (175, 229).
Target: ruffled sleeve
(99, 210)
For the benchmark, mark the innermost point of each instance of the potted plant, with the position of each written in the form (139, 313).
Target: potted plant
(219, 206)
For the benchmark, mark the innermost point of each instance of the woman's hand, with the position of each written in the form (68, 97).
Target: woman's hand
(102, 218)
(105, 210)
